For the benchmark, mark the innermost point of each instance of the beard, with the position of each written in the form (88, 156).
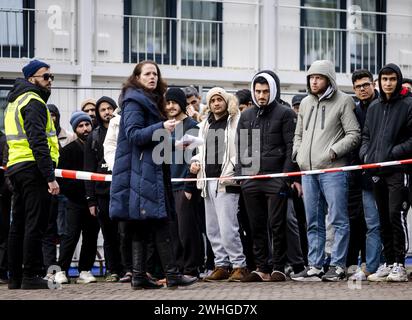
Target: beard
(39, 84)
(83, 136)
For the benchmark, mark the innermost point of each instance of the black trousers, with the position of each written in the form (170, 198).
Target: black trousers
(266, 205)
(188, 243)
(245, 233)
(391, 195)
(50, 238)
(110, 231)
(5, 211)
(31, 204)
(357, 236)
(79, 220)
(156, 231)
(299, 209)
(126, 237)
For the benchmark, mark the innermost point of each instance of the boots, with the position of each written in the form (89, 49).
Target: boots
(173, 281)
(139, 279)
(173, 277)
(144, 282)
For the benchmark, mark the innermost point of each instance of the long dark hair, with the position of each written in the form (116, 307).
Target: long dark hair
(157, 94)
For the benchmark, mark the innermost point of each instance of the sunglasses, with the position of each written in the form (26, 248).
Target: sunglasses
(46, 76)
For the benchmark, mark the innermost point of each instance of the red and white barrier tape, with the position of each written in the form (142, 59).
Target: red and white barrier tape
(82, 175)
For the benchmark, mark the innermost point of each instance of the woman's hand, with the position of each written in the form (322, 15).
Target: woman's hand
(170, 125)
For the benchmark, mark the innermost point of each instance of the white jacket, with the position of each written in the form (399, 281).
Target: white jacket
(229, 157)
(110, 142)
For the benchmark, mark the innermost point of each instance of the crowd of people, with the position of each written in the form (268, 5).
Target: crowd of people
(204, 224)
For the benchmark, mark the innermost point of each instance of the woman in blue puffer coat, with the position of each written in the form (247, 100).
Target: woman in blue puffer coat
(141, 189)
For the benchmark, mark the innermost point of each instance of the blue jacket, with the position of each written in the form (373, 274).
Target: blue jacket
(137, 189)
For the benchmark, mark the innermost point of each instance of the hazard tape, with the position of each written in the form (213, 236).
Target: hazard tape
(90, 176)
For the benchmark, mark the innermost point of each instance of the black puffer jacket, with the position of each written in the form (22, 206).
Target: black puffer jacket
(387, 134)
(275, 124)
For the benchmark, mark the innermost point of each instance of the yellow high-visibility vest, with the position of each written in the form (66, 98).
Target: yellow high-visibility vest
(19, 149)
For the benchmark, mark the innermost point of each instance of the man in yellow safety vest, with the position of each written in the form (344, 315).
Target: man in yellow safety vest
(33, 155)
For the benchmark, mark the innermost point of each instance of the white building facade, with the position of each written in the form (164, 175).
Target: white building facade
(93, 46)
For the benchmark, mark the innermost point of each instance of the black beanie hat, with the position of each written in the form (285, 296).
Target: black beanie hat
(105, 99)
(177, 95)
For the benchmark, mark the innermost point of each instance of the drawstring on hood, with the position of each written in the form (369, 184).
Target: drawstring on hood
(274, 86)
(327, 69)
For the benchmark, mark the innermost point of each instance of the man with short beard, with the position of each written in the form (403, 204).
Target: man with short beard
(188, 240)
(326, 132)
(33, 155)
(78, 218)
(216, 158)
(98, 193)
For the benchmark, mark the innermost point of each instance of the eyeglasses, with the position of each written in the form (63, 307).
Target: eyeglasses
(46, 76)
(365, 85)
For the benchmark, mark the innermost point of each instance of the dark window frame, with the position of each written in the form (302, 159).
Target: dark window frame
(135, 57)
(170, 57)
(380, 25)
(27, 50)
(206, 62)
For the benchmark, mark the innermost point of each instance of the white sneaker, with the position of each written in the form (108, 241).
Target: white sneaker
(398, 273)
(205, 274)
(352, 269)
(358, 276)
(381, 274)
(86, 277)
(60, 277)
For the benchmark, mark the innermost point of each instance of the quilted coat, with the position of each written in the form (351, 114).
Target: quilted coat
(137, 189)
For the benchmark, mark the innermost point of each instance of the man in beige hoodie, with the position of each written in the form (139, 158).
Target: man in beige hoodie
(326, 132)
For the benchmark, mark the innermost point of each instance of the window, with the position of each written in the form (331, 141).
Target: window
(151, 32)
(5, 87)
(356, 40)
(16, 29)
(365, 44)
(201, 33)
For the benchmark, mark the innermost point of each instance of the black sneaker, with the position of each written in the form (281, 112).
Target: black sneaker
(310, 274)
(14, 283)
(335, 273)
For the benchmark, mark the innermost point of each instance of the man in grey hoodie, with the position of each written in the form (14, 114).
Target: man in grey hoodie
(326, 132)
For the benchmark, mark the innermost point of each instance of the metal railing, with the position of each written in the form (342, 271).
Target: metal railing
(178, 41)
(190, 42)
(45, 34)
(355, 44)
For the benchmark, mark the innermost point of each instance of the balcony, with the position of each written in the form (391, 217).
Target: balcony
(45, 34)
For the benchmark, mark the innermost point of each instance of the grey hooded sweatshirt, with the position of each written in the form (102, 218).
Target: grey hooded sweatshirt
(325, 123)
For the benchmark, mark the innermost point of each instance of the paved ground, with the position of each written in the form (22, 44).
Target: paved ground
(289, 290)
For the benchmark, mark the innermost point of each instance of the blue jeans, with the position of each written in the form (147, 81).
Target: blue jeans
(320, 193)
(373, 237)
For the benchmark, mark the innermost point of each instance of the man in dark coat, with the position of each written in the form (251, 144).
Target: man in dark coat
(269, 127)
(78, 218)
(98, 192)
(387, 136)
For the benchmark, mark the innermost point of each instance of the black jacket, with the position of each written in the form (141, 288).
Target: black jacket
(359, 177)
(276, 126)
(181, 170)
(71, 158)
(94, 162)
(34, 115)
(387, 134)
